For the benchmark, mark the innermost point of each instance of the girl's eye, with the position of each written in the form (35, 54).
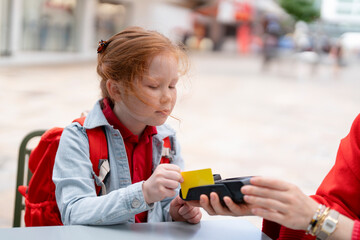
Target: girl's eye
(171, 87)
(152, 86)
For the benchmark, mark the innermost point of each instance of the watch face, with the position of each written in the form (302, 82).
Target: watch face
(329, 225)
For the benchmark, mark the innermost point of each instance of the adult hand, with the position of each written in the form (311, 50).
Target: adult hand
(162, 183)
(280, 202)
(213, 206)
(181, 210)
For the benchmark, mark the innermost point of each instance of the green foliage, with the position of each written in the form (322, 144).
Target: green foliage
(304, 10)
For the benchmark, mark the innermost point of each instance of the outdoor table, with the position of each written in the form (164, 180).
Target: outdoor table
(224, 229)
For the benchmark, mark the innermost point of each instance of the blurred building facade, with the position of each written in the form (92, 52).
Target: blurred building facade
(340, 16)
(32, 30)
(69, 30)
(340, 19)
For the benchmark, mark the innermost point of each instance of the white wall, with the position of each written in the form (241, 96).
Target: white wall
(16, 26)
(160, 16)
(85, 14)
(330, 8)
(170, 20)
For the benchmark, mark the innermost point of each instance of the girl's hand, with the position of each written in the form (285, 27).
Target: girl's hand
(180, 210)
(162, 183)
(280, 202)
(214, 207)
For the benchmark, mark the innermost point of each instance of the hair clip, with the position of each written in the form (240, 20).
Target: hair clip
(102, 45)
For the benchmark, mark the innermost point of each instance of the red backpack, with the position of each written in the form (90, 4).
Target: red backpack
(40, 202)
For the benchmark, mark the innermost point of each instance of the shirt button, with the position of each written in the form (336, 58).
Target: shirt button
(135, 203)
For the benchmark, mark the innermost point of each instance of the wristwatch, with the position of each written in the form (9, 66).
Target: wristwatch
(328, 226)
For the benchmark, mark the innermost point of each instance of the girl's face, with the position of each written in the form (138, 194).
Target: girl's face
(158, 92)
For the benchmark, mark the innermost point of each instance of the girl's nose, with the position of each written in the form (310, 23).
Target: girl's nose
(165, 96)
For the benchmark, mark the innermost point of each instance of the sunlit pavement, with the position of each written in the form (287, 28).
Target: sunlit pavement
(234, 118)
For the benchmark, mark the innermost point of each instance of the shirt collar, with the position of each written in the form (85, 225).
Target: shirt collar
(125, 132)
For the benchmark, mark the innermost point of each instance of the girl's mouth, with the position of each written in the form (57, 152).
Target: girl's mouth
(164, 112)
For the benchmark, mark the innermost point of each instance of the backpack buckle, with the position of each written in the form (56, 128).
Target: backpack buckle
(167, 151)
(166, 155)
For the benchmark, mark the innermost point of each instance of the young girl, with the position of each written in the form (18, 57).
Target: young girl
(139, 71)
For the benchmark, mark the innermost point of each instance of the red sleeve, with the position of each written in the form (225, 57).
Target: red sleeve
(356, 231)
(271, 229)
(340, 189)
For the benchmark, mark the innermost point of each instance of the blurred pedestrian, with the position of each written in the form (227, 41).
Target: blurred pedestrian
(336, 52)
(139, 71)
(271, 34)
(199, 40)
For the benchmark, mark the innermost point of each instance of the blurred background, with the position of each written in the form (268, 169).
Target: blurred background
(273, 86)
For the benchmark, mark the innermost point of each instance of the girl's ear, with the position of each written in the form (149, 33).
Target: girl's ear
(113, 89)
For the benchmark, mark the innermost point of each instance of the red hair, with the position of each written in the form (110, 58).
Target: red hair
(128, 54)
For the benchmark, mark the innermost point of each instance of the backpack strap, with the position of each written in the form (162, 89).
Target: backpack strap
(98, 150)
(167, 151)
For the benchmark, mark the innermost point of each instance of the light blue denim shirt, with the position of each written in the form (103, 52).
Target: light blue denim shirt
(73, 177)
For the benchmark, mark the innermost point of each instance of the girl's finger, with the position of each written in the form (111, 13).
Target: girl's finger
(236, 209)
(169, 184)
(196, 218)
(168, 192)
(191, 214)
(205, 204)
(215, 203)
(171, 167)
(172, 175)
(184, 209)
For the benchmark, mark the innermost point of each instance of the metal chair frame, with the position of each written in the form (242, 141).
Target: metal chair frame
(23, 174)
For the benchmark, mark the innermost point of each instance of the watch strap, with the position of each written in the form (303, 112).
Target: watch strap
(333, 217)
